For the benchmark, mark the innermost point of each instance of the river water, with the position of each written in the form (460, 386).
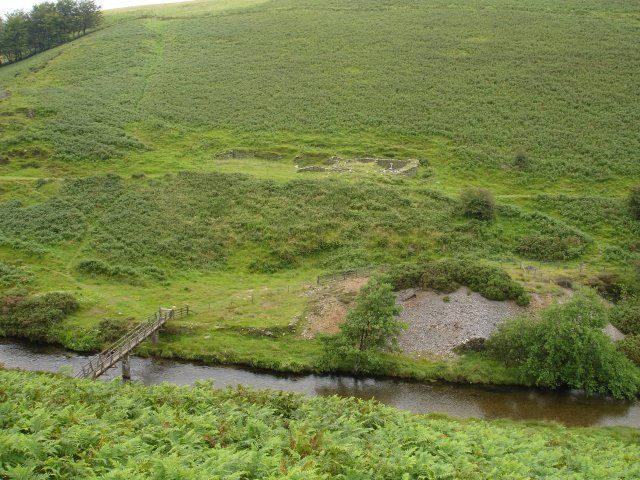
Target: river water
(487, 402)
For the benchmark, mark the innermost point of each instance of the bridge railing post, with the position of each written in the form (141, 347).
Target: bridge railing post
(126, 368)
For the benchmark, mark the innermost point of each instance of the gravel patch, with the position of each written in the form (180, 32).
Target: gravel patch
(438, 326)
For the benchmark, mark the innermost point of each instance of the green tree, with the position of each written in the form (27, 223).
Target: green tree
(566, 347)
(15, 36)
(88, 15)
(477, 203)
(371, 327)
(67, 11)
(45, 26)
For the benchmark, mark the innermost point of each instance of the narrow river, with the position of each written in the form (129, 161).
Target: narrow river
(567, 407)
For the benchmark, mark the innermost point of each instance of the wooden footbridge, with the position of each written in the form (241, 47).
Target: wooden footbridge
(121, 349)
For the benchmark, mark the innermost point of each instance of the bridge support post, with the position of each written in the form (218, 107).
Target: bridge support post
(155, 336)
(126, 368)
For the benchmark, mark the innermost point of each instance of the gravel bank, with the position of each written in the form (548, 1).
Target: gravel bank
(437, 326)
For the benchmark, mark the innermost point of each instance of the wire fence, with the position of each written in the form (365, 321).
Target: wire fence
(539, 272)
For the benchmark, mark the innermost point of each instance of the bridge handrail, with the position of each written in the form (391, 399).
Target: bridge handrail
(104, 360)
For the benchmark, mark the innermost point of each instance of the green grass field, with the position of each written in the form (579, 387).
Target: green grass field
(165, 146)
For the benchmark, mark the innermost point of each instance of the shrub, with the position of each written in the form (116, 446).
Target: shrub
(404, 276)
(155, 273)
(563, 281)
(371, 326)
(630, 347)
(13, 276)
(35, 318)
(477, 203)
(521, 160)
(610, 285)
(491, 282)
(549, 247)
(625, 316)
(566, 347)
(634, 201)
(267, 265)
(111, 329)
(100, 268)
(448, 275)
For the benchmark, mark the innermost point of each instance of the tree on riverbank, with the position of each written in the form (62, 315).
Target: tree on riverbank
(566, 347)
(371, 327)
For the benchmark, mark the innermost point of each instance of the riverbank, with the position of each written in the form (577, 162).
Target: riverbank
(85, 428)
(291, 355)
(567, 407)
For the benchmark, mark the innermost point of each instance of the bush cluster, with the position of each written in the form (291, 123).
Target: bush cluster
(35, 318)
(566, 347)
(608, 284)
(549, 247)
(111, 329)
(630, 347)
(100, 268)
(103, 269)
(449, 274)
(13, 276)
(625, 316)
(491, 282)
(477, 203)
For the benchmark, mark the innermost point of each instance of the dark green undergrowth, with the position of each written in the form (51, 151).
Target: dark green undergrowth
(195, 220)
(449, 274)
(14, 276)
(57, 428)
(36, 318)
(626, 315)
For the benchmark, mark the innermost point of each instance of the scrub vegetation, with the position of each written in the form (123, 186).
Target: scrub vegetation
(177, 155)
(371, 327)
(56, 428)
(566, 347)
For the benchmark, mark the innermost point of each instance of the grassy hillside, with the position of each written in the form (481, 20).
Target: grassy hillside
(54, 427)
(163, 148)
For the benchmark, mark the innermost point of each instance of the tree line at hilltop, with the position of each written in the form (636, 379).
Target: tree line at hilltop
(47, 25)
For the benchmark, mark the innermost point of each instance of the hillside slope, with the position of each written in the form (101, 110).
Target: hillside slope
(559, 82)
(161, 159)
